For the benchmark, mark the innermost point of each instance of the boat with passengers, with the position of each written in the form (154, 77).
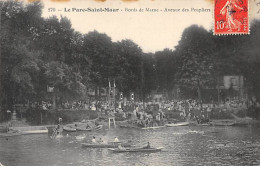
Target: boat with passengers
(116, 150)
(147, 148)
(105, 145)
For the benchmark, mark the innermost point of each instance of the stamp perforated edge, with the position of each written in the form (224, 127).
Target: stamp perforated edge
(232, 33)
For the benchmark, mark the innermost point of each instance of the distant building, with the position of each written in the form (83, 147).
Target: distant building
(233, 86)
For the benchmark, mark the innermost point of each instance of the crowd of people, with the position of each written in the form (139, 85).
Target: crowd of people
(154, 112)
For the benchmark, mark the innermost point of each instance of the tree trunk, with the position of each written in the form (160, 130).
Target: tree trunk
(54, 100)
(199, 95)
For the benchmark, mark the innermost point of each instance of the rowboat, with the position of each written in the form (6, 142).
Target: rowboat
(89, 129)
(177, 124)
(84, 129)
(222, 123)
(155, 127)
(107, 145)
(35, 132)
(30, 129)
(117, 150)
(98, 127)
(69, 129)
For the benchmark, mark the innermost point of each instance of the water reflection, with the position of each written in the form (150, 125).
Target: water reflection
(189, 145)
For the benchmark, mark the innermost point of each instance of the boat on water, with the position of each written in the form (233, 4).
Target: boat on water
(98, 127)
(177, 124)
(105, 145)
(30, 129)
(117, 150)
(69, 129)
(84, 129)
(222, 123)
(154, 127)
(73, 128)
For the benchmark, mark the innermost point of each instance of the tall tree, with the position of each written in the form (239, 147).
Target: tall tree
(129, 66)
(166, 68)
(19, 61)
(149, 74)
(195, 52)
(99, 49)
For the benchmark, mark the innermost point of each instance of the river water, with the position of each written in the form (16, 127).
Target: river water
(186, 145)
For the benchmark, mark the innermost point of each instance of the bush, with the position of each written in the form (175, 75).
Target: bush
(241, 113)
(254, 112)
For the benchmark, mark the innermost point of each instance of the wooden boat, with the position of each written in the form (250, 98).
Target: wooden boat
(89, 129)
(83, 129)
(98, 127)
(155, 127)
(117, 150)
(35, 132)
(30, 129)
(107, 145)
(69, 129)
(177, 124)
(222, 123)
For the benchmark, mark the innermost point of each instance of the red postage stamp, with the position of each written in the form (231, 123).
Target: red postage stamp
(231, 17)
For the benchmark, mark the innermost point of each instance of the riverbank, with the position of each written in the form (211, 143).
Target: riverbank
(19, 130)
(50, 118)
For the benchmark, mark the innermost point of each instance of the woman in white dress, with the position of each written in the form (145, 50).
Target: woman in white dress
(229, 10)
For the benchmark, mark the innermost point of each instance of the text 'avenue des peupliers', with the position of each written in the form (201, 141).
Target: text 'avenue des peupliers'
(91, 10)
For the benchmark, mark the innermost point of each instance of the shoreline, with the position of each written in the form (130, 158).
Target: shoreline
(124, 124)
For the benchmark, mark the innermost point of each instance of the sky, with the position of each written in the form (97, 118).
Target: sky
(152, 31)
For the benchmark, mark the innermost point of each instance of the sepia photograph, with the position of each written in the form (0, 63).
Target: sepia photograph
(129, 83)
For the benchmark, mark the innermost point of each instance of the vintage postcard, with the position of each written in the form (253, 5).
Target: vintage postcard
(129, 83)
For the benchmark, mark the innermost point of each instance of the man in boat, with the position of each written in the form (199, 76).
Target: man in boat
(147, 146)
(94, 140)
(116, 140)
(58, 129)
(120, 147)
(60, 120)
(100, 141)
(96, 123)
(88, 126)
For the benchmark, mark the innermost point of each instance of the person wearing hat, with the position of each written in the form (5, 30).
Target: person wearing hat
(120, 147)
(100, 141)
(148, 145)
(94, 140)
(116, 140)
